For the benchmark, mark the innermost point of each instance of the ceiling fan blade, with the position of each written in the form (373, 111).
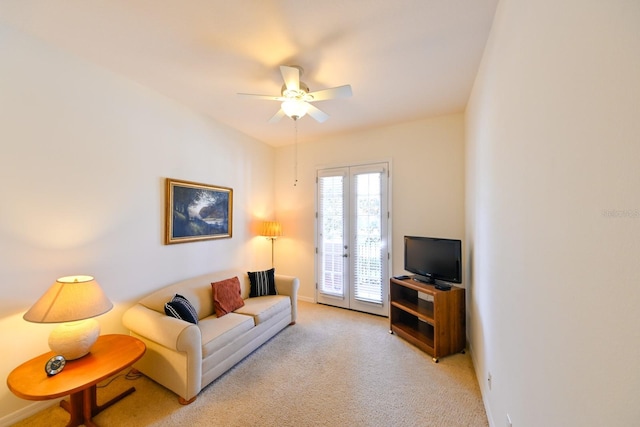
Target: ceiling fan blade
(277, 116)
(333, 93)
(267, 97)
(291, 76)
(317, 113)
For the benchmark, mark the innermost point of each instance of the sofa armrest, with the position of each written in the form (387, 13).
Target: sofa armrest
(172, 333)
(174, 349)
(289, 285)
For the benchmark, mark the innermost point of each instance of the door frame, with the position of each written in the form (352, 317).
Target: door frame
(385, 280)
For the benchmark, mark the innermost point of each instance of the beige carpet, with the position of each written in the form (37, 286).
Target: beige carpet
(333, 368)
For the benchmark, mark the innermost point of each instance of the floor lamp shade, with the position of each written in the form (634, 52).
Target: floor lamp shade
(72, 301)
(271, 230)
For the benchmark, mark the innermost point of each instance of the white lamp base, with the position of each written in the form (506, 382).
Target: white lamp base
(74, 340)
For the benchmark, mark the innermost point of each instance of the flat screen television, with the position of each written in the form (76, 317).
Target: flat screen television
(431, 259)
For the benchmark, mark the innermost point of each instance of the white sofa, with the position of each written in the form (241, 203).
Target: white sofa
(185, 357)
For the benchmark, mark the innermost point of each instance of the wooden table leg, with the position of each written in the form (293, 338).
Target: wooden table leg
(83, 406)
(88, 403)
(100, 408)
(91, 401)
(96, 409)
(74, 408)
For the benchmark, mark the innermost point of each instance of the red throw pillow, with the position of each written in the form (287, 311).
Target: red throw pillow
(226, 296)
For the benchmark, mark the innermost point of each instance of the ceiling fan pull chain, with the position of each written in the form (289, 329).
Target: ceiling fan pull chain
(295, 154)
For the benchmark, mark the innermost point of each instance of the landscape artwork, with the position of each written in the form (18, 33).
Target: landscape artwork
(197, 211)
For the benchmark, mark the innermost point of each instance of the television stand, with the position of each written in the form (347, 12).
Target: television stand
(435, 325)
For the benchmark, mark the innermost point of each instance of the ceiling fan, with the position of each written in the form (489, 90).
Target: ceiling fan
(296, 99)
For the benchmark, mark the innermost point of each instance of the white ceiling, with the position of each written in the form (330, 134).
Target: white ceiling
(405, 59)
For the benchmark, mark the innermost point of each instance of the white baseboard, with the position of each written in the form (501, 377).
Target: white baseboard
(26, 412)
(306, 299)
(483, 389)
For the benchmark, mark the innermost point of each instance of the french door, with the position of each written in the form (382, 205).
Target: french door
(352, 260)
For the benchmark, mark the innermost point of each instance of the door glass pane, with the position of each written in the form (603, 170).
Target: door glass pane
(331, 214)
(367, 253)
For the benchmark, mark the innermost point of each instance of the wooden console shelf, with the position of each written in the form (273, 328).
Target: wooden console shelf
(434, 323)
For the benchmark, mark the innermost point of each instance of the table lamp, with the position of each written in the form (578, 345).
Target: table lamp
(72, 301)
(271, 230)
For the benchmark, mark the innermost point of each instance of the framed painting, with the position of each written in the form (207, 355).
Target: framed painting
(197, 211)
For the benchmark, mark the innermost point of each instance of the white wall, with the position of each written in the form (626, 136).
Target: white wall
(84, 157)
(553, 203)
(427, 161)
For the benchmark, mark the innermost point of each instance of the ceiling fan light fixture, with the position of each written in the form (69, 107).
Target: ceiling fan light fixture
(295, 98)
(295, 109)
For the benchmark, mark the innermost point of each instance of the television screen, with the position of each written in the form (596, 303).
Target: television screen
(433, 258)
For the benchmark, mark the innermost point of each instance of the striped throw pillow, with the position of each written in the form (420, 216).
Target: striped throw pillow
(180, 308)
(262, 283)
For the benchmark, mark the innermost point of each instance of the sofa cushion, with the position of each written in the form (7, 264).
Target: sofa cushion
(180, 308)
(264, 308)
(197, 290)
(218, 332)
(226, 296)
(262, 283)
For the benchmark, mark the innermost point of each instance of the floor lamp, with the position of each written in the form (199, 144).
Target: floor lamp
(271, 230)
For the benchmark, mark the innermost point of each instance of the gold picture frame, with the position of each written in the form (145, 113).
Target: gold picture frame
(195, 211)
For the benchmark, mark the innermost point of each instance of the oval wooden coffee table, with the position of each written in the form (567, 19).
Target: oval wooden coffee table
(109, 355)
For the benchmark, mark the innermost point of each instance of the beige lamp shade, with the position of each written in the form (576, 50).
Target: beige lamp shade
(68, 299)
(72, 301)
(271, 229)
